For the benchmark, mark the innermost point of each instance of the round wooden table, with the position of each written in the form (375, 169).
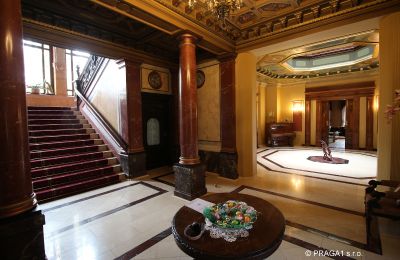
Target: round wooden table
(264, 238)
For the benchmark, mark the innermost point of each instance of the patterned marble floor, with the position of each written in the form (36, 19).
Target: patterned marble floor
(361, 166)
(132, 219)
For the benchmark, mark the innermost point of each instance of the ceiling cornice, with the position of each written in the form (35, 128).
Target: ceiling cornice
(290, 26)
(210, 41)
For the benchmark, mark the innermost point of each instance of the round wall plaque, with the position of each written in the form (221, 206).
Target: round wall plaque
(155, 80)
(200, 78)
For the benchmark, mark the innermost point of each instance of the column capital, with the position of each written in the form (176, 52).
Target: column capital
(188, 37)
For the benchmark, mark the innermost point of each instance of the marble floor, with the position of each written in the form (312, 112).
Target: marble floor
(361, 166)
(132, 219)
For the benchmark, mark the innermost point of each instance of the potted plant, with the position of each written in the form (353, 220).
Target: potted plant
(35, 89)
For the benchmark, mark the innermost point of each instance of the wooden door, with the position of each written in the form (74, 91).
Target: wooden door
(156, 112)
(352, 123)
(322, 132)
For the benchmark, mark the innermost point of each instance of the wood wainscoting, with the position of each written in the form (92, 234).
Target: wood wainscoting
(352, 94)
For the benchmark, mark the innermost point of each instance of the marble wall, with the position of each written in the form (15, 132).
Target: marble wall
(105, 96)
(208, 100)
(165, 76)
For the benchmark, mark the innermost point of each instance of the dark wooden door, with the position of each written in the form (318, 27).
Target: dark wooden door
(322, 132)
(156, 136)
(352, 123)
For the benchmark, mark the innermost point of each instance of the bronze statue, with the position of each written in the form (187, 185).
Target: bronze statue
(326, 150)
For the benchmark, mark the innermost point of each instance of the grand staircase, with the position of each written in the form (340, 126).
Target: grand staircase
(67, 156)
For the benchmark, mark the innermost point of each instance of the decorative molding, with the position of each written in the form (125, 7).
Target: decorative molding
(312, 17)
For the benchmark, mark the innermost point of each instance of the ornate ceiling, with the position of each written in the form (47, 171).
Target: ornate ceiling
(344, 55)
(152, 26)
(264, 19)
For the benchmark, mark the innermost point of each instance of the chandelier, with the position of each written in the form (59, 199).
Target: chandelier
(221, 8)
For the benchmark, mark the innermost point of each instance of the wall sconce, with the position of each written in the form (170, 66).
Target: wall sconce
(376, 103)
(297, 105)
(297, 108)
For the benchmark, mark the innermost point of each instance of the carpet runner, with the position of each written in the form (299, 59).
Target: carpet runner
(67, 156)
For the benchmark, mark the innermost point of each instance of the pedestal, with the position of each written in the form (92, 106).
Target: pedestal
(21, 236)
(134, 164)
(190, 181)
(228, 165)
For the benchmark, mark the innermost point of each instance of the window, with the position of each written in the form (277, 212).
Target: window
(74, 59)
(153, 132)
(37, 60)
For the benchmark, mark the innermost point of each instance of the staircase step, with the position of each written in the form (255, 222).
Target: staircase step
(55, 121)
(64, 144)
(67, 156)
(65, 151)
(63, 168)
(57, 126)
(50, 108)
(55, 116)
(53, 112)
(70, 158)
(61, 132)
(55, 138)
(62, 179)
(66, 190)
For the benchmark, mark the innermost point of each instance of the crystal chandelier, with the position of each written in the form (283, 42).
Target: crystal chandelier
(221, 8)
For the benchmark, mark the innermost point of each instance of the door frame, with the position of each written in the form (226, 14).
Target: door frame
(352, 92)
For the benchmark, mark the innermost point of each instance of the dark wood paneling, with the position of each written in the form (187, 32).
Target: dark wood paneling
(308, 122)
(157, 106)
(346, 91)
(351, 93)
(370, 124)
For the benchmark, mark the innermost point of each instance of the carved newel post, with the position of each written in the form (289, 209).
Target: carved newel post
(189, 172)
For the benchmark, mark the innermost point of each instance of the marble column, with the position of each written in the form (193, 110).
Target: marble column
(134, 161)
(189, 172)
(228, 156)
(389, 76)
(60, 71)
(246, 128)
(21, 226)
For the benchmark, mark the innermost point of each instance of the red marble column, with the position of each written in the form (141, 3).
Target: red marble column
(188, 101)
(16, 195)
(228, 113)
(133, 132)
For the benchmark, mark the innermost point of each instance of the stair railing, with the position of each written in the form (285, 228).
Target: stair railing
(83, 84)
(89, 72)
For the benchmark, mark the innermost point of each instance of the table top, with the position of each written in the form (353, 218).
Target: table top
(264, 238)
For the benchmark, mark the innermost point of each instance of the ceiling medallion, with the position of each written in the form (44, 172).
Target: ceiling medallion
(220, 8)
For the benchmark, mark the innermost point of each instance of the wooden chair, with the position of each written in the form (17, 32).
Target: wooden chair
(380, 204)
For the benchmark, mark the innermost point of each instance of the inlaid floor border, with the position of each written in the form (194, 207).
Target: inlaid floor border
(109, 212)
(322, 173)
(89, 197)
(242, 187)
(308, 176)
(145, 245)
(157, 178)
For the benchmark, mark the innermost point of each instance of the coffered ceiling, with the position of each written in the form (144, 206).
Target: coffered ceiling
(347, 54)
(152, 26)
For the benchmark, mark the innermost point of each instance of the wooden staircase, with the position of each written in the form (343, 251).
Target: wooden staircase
(67, 156)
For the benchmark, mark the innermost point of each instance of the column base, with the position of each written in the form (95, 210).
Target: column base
(22, 236)
(228, 165)
(134, 164)
(190, 181)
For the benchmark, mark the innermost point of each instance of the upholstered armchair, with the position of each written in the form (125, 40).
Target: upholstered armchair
(380, 204)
